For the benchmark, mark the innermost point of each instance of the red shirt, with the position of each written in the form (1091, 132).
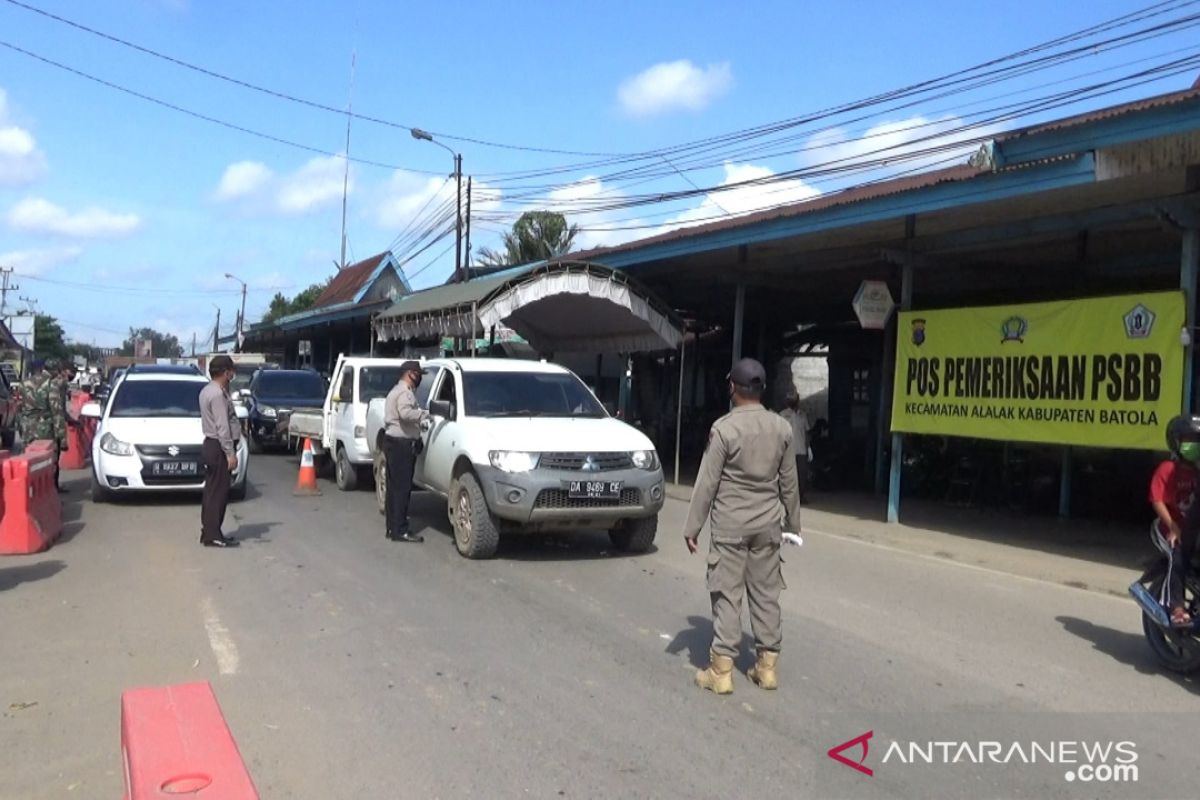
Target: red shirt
(1174, 484)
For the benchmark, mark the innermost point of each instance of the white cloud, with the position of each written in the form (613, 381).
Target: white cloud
(896, 142)
(406, 193)
(21, 162)
(36, 215)
(38, 262)
(674, 85)
(272, 281)
(242, 179)
(315, 185)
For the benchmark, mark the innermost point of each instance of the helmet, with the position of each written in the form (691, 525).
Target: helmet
(1180, 427)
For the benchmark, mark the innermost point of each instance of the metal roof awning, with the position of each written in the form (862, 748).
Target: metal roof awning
(559, 307)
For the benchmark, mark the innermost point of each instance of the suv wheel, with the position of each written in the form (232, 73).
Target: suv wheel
(100, 493)
(476, 534)
(635, 535)
(344, 472)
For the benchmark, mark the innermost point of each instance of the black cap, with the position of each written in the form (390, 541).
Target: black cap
(748, 374)
(219, 364)
(411, 366)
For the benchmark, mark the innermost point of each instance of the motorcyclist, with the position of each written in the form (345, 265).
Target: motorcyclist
(1172, 495)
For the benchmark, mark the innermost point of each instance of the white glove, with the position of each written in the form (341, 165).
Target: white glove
(792, 538)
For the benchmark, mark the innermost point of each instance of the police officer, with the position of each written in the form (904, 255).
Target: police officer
(403, 420)
(747, 492)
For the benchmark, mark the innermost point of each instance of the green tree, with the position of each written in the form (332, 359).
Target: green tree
(49, 341)
(535, 236)
(163, 345)
(281, 306)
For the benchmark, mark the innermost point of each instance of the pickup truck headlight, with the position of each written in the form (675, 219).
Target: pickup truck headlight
(645, 459)
(268, 411)
(513, 461)
(113, 445)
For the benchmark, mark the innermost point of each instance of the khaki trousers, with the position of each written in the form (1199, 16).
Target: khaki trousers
(749, 568)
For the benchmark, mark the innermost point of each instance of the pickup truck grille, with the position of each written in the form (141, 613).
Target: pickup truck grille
(557, 498)
(599, 462)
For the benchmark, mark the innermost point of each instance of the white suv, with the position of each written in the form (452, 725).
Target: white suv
(149, 436)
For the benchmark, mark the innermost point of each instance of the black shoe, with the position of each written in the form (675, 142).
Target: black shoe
(408, 537)
(224, 541)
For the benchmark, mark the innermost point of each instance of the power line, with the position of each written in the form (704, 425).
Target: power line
(114, 289)
(284, 95)
(198, 115)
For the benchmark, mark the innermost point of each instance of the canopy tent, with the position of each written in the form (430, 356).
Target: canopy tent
(558, 307)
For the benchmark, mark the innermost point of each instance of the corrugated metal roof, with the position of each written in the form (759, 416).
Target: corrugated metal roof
(1158, 101)
(455, 295)
(346, 284)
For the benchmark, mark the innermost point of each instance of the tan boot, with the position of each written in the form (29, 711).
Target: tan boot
(763, 672)
(718, 678)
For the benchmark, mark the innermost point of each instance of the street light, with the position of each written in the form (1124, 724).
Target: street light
(425, 136)
(242, 314)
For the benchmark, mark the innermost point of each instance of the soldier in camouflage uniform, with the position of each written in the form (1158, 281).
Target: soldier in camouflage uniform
(36, 422)
(60, 386)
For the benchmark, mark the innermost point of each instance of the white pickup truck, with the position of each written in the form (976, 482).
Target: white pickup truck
(524, 446)
(338, 429)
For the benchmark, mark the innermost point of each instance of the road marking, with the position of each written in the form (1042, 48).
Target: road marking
(218, 638)
(949, 562)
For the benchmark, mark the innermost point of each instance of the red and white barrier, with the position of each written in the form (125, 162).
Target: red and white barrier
(79, 444)
(32, 507)
(174, 741)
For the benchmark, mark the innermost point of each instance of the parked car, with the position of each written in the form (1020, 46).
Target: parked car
(524, 446)
(270, 399)
(149, 437)
(337, 428)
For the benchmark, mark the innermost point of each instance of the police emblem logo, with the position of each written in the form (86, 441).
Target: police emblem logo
(918, 332)
(1013, 330)
(1139, 321)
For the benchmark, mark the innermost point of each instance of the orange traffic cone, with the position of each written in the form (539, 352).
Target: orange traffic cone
(306, 483)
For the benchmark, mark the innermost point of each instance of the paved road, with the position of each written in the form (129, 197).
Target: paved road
(349, 666)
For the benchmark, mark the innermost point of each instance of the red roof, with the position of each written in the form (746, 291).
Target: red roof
(346, 285)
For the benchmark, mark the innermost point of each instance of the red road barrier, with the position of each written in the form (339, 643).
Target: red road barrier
(175, 741)
(78, 445)
(32, 508)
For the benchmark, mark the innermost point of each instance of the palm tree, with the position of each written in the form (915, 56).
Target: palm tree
(536, 236)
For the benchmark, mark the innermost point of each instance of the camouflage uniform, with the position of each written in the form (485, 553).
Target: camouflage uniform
(58, 409)
(36, 421)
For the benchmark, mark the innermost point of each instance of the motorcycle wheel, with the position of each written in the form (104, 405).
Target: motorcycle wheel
(1178, 651)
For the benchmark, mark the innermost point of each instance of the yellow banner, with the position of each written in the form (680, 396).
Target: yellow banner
(1105, 372)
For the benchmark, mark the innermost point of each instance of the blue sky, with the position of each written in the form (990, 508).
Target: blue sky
(117, 212)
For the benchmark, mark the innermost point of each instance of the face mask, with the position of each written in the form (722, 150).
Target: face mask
(1190, 451)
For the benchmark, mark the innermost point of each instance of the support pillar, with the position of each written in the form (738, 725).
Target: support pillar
(1188, 267)
(679, 409)
(1064, 483)
(739, 321)
(893, 509)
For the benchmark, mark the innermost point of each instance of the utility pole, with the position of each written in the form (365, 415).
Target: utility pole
(5, 275)
(458, 220)
(217, 330)
(467, 247)
(193, 344)
(346, 174)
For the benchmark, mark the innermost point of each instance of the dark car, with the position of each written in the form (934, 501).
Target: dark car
(273, 393)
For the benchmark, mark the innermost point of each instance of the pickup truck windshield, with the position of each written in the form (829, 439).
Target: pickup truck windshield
(375, 382)
(287, 385)
(157, 399)
(528, 394)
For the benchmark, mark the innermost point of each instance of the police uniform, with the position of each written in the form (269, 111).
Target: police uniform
(747, 491)
(403, 418)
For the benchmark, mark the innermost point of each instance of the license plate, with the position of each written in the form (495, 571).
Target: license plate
(594, 490)
(174, 468)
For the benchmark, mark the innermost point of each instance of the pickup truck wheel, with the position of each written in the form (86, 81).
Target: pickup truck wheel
(634, 535)
(380, 468)
(345, 472)
(475, 532)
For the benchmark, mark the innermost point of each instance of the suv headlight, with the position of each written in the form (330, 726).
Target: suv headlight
(645, 459)
(113, 445)
(268, 411)
(513, 461)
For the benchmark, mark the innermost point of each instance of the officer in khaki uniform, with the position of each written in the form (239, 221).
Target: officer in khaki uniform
(747, 491)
